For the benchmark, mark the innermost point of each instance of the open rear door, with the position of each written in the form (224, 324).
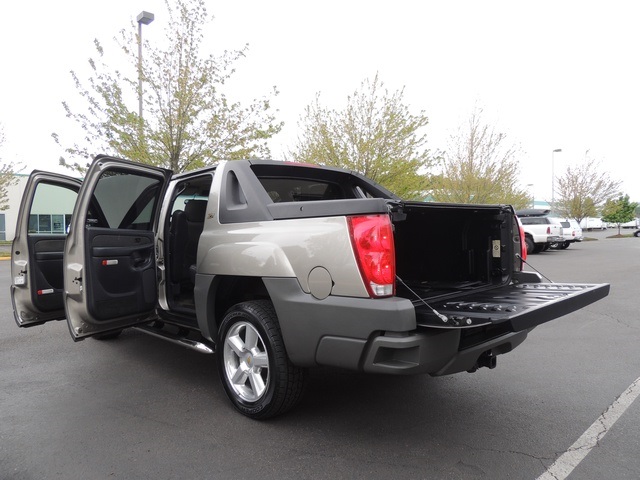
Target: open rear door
(110, 255)
(38, 246)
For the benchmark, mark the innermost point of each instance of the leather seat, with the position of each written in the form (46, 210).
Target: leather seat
(195, 211)
(184, 233)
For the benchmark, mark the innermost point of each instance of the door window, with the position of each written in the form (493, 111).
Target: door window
(51, 209)
(124, 200)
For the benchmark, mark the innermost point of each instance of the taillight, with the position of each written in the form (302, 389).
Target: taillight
(519, 262)
(548, 230)
(523, 243)
(372, 239)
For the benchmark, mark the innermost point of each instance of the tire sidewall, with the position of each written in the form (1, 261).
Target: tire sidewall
(243, 313)
(530, 245)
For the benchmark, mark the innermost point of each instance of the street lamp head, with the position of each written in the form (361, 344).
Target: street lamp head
(557, 150)
(145, 18)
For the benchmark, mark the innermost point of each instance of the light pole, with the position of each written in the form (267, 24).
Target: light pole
(143, 18)
(553, 177)
(533, 195)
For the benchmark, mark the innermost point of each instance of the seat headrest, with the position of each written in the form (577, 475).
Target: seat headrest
(195, 210)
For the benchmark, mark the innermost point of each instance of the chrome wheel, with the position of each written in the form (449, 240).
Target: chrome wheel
(256, 372)
(246, 363)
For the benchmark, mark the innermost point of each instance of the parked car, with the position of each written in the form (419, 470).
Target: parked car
(541, 230)
(571, 232)
(278, 267)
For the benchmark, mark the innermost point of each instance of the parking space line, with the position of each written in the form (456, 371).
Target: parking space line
(569, 460)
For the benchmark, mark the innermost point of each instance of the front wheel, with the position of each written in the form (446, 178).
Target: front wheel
(256, 373)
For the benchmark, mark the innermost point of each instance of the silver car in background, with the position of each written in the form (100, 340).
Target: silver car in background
(571, 232)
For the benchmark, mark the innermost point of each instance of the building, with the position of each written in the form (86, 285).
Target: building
(46, 216)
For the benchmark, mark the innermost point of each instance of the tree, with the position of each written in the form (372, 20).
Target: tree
(479, 166)
(188, 121)
(619, 211)
(7, 176)
(583, 190)
(375, 135)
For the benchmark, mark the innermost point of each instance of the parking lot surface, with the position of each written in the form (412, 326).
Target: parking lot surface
(139, 407)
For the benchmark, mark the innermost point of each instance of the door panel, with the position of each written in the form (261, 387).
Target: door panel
(37, 250)
(45, 254)
(110, 255)
(121, 277)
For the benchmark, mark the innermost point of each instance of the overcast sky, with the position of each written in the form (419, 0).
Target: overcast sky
(557, 74)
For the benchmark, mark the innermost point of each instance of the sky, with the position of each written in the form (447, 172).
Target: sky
(549, 74)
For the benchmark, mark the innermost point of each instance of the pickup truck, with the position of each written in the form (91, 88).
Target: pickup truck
(540, 230)
(278, 267)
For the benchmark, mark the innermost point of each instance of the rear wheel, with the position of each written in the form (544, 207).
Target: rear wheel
(530, 245)
(254, 368)
(565, 245)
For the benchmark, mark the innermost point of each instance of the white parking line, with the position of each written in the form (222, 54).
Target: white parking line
(569, 460)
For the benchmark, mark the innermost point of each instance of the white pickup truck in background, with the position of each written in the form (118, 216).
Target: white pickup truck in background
(540, 230)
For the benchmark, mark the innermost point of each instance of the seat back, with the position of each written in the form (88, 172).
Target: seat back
(195, 211)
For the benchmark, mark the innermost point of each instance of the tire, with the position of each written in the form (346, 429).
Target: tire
(530, 245)
(538, 247)
(565, 245)
(636, 233)
(107, 336)
(256, 372)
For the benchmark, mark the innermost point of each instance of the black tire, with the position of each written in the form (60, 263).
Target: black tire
(565, 245)
(636, 233)
(530, 245)
(254, 368)
(538, 247)
(107, 336)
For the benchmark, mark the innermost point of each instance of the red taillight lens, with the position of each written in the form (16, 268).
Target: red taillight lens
(548, 230)
(372, 239)
(523, 244)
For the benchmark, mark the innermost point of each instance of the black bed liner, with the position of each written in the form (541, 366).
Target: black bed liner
(523, 305)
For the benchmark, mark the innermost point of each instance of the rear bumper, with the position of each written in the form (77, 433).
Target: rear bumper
(427, 353)
(396, 336)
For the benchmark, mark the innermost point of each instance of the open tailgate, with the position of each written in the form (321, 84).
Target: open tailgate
(523, 305)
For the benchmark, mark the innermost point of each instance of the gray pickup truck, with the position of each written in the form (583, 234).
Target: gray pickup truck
(276, 267)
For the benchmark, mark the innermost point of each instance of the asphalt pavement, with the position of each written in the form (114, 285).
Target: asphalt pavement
(142, 408)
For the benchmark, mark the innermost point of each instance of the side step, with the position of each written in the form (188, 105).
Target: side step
(179, 338)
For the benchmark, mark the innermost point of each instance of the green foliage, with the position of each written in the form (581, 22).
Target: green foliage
(188, 122)
(479, 167)
(7, 176)
(375, 135)
(583, 190)
(619, 211)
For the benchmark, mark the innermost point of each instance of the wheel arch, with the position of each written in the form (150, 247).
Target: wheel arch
(215, 294)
